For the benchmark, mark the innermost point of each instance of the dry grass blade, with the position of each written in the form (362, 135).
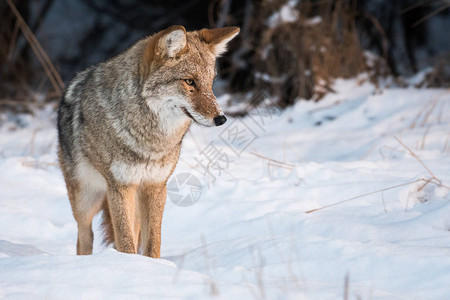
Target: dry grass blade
(380, 29)
(273, 160)
(13, 43)
(364, 195)
(424, 185)
(42, 56)
(440, 184)
(435, 12)
(418, 159)
(346, 287)
(20, 102)
(427, 130)
(415, 5)
(425, 111)
(292, 150)
(188, 164)
(271, 164)
(39, 164)
(446, 142)
(195, 141)
(430, 111)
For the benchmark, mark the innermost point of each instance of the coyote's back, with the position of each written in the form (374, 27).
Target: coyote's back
(120, 128)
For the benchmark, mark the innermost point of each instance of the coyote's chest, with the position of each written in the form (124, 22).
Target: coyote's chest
(149, 154)
(128, 173)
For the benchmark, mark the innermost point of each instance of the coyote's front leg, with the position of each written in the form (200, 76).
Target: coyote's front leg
(121, 201)
(152, 198)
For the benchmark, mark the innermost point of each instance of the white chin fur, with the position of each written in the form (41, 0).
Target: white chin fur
(169, 116)
(198, 118)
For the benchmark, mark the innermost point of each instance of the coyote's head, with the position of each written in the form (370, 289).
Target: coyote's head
(178, 70)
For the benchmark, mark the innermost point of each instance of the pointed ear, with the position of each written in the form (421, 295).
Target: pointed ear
(218, 38)
(172, 41)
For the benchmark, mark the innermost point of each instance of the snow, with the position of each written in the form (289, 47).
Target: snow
(287, 14)
(249, 235)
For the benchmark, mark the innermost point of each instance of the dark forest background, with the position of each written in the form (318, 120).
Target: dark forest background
(289, 49)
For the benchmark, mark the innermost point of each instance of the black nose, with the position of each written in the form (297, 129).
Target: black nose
(219, 120)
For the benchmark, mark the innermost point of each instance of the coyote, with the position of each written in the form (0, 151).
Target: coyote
(120, 128)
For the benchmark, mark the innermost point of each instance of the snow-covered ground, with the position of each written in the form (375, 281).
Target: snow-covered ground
(249, 235)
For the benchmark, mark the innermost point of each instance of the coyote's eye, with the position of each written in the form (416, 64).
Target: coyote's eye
(190, 82)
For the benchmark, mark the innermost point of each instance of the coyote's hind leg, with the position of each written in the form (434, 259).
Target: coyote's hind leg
(86, 203)
(86, 189)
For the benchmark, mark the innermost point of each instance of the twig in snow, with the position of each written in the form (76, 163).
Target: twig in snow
(195, 141)
(32, 141)
(180, 264)
(292, 150)
(279, 166)
(441, 111)
(418, 159)
(388, 147)
(346, 284)
(269, 164)
(364, 195)
(446, 142)
(430, 111)
(38, 164)
(424, 137)
(426, 111)
(418, 190)
(214, 291)
(190, 166)
(384, 203)
(424, 185)
(259, 264)
(231, 175)
(291, 166)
